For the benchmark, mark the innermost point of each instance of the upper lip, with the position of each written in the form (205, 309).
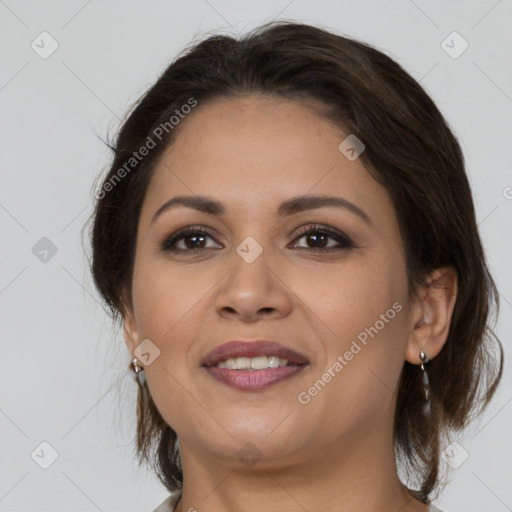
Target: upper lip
(239, 348)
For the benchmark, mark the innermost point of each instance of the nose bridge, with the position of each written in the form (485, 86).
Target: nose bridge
(249, 277)
(252, 285)
(253, 242)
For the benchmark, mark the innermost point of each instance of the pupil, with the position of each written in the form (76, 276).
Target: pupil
(192, 245)
(316, 237)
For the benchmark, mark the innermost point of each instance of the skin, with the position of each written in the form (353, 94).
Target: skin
(336, 452)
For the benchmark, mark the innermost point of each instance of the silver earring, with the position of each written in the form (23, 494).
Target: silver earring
(138, 369)
(426, 384)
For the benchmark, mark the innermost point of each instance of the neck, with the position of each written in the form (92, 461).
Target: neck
(350, 475)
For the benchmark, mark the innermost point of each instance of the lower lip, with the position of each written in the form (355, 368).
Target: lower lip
(253, 380)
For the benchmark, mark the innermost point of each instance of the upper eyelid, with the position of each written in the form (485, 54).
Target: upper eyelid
(299, 231)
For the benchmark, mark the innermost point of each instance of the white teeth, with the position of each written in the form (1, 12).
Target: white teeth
(253, 363)
(243, 363)
(273, 361)
(259, 363)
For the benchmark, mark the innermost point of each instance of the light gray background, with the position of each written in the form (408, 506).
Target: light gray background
(63, 368)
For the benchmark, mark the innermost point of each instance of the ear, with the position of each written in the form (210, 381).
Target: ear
(432, 314)
(131, 335)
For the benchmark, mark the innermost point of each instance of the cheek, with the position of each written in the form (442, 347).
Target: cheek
(364, 306)
(352, 296)
(167, 302)
(164, 296)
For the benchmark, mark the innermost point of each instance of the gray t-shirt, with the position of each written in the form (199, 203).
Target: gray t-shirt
(169, 504)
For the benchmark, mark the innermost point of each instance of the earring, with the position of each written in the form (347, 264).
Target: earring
(426, 384)
(138, 369)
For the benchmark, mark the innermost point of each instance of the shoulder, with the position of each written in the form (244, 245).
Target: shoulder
(169, 503)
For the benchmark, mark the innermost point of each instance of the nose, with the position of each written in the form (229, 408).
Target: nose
(253, 291)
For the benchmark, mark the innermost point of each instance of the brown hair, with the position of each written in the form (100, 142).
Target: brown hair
(410, 149)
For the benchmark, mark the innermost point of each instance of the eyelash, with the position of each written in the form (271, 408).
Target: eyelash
(344, 241)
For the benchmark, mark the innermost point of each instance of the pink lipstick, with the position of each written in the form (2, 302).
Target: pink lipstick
(253, 365)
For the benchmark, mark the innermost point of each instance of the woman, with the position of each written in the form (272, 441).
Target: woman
(288, 236)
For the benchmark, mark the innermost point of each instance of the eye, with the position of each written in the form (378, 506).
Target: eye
(191, 239)
(194, 239)
(319, 236)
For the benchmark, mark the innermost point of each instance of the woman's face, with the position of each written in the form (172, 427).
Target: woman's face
(338, 299)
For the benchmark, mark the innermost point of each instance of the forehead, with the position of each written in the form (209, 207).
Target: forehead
(257, 151)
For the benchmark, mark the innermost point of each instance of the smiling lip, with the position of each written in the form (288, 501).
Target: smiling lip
(253, 380)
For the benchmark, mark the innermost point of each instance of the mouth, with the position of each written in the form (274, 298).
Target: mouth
(253, 365)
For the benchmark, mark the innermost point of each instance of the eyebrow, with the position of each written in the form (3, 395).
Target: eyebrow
(289, 207)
